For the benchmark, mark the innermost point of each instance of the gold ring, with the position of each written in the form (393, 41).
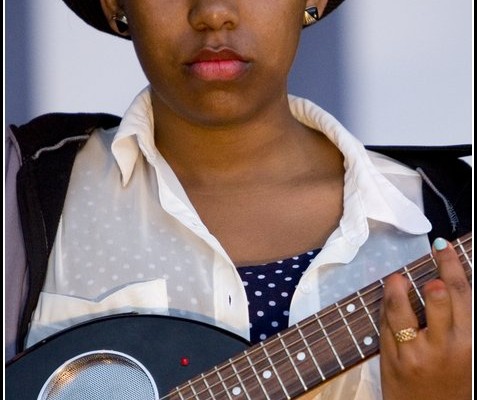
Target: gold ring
(405, 335)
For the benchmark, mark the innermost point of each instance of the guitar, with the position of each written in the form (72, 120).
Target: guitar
(157, 357)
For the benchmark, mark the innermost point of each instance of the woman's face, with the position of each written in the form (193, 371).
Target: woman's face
(215, 61)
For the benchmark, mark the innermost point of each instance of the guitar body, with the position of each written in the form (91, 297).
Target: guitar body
(173, 350)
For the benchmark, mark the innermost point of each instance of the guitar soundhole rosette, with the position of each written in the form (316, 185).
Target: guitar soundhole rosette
(100, 375)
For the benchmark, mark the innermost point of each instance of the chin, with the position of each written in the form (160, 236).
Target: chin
(220, 110)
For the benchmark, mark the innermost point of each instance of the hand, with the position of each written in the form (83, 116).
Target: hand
(437, 363)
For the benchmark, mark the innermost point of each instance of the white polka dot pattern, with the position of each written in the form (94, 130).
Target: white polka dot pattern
(111, 236)
(270, 288)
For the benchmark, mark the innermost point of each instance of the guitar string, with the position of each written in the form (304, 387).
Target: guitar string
(378, 286)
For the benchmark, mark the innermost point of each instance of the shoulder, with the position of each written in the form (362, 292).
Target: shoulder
(447, 184)
(415, 156)
(444, 164)
(52, 129)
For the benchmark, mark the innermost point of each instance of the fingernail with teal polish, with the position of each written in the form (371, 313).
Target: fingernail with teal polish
(440, 244)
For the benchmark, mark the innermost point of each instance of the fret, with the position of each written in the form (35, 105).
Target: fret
(331, 345)
(195, 393)
(465, 259)
(200, 389)
(301, 357)
(368, 314)
(222, 381)
(266, 374)
(257, 374)
(361, 313)
(466, 256)
(177, 394)
(278, 356)
(277, 375)
(320, 347)
(247, 376)
(185, 391)
(464, 249)
(204, 393)
(420, 272)
(418, 293)
(238, 389)
(349, 330)
(312, 356)
(338, 336)
(290, 359)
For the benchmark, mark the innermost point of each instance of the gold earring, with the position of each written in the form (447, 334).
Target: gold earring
(310, 17)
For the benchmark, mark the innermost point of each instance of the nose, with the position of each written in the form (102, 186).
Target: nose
(214, 15)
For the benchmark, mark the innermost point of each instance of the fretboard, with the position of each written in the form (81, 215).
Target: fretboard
(318, 348)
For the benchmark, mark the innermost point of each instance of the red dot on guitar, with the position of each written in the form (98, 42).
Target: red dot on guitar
(185, 361)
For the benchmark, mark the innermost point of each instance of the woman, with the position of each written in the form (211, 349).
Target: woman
(216, 182)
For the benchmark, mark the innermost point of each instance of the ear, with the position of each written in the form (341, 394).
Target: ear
(112, 8)
(320, 4)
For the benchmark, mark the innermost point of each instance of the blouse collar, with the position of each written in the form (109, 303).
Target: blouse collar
(366, 188)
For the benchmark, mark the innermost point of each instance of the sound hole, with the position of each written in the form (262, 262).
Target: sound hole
(100, 375)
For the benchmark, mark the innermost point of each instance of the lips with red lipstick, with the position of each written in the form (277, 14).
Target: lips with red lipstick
(223, 65)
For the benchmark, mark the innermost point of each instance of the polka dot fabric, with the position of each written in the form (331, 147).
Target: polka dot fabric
(270, 288)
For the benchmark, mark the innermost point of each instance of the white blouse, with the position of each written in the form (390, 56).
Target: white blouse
(129, 239)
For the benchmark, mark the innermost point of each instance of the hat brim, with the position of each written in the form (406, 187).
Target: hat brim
(91, 12)
(331, 6)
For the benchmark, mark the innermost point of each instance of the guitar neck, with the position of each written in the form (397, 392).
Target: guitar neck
(318, 348)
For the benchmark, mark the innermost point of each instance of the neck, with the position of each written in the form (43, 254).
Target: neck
(204, 152)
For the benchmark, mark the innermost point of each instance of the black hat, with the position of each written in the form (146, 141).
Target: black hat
(91, 12)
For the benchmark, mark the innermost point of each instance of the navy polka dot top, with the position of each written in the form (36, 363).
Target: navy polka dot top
(270, 288)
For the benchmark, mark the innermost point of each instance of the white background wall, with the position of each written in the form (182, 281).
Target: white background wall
(410, 75)
(78, 68)
(392, 72)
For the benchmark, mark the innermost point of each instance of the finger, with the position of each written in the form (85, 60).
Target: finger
(455, 279)
(397, 310)
(438, 311)
(386, 337)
